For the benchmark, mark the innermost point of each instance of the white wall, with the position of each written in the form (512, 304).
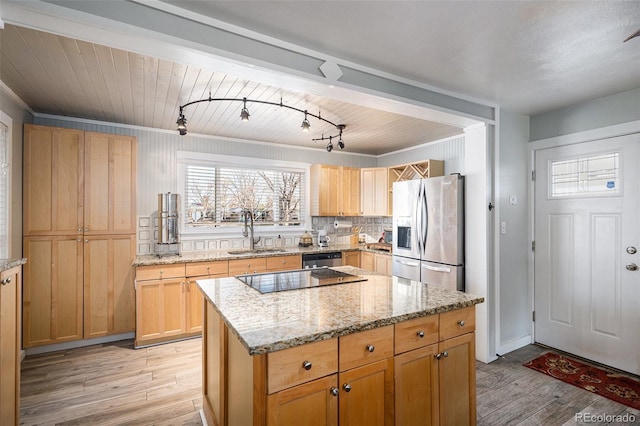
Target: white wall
(514, 304)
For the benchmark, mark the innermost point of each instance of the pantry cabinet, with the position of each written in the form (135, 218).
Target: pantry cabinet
(79, 197)
(335, 190)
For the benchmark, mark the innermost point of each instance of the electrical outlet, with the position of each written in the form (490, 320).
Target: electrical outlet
(503, 227)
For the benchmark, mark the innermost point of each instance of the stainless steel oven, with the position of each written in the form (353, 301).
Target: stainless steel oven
(316, 260)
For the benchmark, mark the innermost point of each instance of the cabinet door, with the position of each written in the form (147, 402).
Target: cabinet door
(109, 295)
(350, 192)
(367, 261)
(417, 387)
(374, 191)
(457, 376)
(313, 401)
(53, 174)
(351, 258)
(52, 299)
(160, 307)
(110, 184)
(330, 193)
(366, 395)
(10, 299)
(195, 303)
(382, 263)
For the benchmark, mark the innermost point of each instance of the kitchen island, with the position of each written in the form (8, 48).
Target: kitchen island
(382, 351)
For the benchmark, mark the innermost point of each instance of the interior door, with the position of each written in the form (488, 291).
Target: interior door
(587, 285)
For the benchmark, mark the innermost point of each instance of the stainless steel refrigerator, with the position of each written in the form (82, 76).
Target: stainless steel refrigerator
(428, 230)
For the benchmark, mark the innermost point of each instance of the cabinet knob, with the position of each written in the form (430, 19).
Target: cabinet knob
(461, 323)
(307, 365)
(420, 334)
(86, 229)
(371, 348)
(86, 241)
(79, 229)
(346, 387)
(445, 354)
(6, 281)
(334, 391)
(79, 240)
(437, 356)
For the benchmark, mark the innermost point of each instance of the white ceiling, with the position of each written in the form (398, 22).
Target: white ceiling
(530, 57)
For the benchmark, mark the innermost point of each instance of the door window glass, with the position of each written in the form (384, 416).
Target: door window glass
(585, 176)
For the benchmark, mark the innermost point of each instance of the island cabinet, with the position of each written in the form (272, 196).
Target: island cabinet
(335, 190)
(416, 372)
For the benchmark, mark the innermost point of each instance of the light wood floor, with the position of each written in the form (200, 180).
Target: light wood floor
(114, 384)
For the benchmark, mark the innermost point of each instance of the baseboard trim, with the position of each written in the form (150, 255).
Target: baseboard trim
(78, 344)
(515, 344)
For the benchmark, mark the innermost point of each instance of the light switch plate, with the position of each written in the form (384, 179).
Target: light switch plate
(503, 227)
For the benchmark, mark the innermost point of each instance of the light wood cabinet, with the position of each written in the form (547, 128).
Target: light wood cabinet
(53, 293)
(53, 181)
(160, 310)
(351, 258)
(367, 260)
(435, 382)
(284, 263)
(335, 190)
(366, 395)
(109, 187)
(78, 185)
(10, 320)
(109, 295)
(195, 299)
(251, 265)
(382, 263)
(375, 191)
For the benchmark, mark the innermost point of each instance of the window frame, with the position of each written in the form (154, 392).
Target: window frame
(235, 231)
(5, 205)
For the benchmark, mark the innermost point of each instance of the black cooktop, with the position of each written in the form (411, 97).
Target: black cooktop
(292, 280)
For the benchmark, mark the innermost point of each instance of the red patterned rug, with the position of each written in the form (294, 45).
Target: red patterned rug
(615, 386)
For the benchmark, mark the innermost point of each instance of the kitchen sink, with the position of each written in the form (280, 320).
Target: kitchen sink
(256, 251)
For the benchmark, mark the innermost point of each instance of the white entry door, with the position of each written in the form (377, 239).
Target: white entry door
(587, 284)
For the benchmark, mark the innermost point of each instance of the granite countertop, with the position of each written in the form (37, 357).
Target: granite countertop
(274, 321)
(11, 263)
(206, 256)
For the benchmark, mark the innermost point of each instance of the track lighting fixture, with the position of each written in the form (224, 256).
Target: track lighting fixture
(244, 116)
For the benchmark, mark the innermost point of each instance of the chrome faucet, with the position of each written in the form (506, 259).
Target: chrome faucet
(248, 228)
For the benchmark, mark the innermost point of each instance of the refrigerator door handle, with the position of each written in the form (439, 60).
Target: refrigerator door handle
(424, 218)
(417, 221)
(437, 268)
(402, 262)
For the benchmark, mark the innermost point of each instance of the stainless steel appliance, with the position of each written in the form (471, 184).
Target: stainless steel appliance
(168, 238)
(316, 260)
(428, 230)
(292, 280)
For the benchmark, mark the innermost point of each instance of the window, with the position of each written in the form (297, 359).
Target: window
(217, 192)
(4, 185)
(585, 176)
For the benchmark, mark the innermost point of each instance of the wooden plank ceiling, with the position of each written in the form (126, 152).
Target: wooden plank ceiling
(63, 76)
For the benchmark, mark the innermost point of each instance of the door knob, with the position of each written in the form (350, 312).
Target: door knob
(631, 250)
(632, 267)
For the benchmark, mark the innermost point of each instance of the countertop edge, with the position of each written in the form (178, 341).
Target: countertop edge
(6, 264)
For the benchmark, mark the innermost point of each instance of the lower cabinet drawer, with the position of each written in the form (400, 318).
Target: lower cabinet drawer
(217, 268)
(458, 322)
(282, 263)
(365, 347)
(301, 364)
(160, 272)
(247, 266)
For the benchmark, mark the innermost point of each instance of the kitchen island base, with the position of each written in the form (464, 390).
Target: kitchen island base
(415, 372)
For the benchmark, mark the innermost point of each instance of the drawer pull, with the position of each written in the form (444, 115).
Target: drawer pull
(307, 365)
(371, 348)
(334, 391)
(461, 323)
(346, 387)
(420, 334)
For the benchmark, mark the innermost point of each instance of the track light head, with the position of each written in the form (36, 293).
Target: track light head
(182, 124)
(341, 144)
(244, 114)
(330, 145)
(305, 123)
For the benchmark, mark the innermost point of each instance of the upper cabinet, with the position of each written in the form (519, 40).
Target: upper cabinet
(375, 191)
(109, 188)
(335, 190)
(78, 182)
(53, 181)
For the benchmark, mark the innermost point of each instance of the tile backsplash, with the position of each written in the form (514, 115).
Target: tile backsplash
(147, 234)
